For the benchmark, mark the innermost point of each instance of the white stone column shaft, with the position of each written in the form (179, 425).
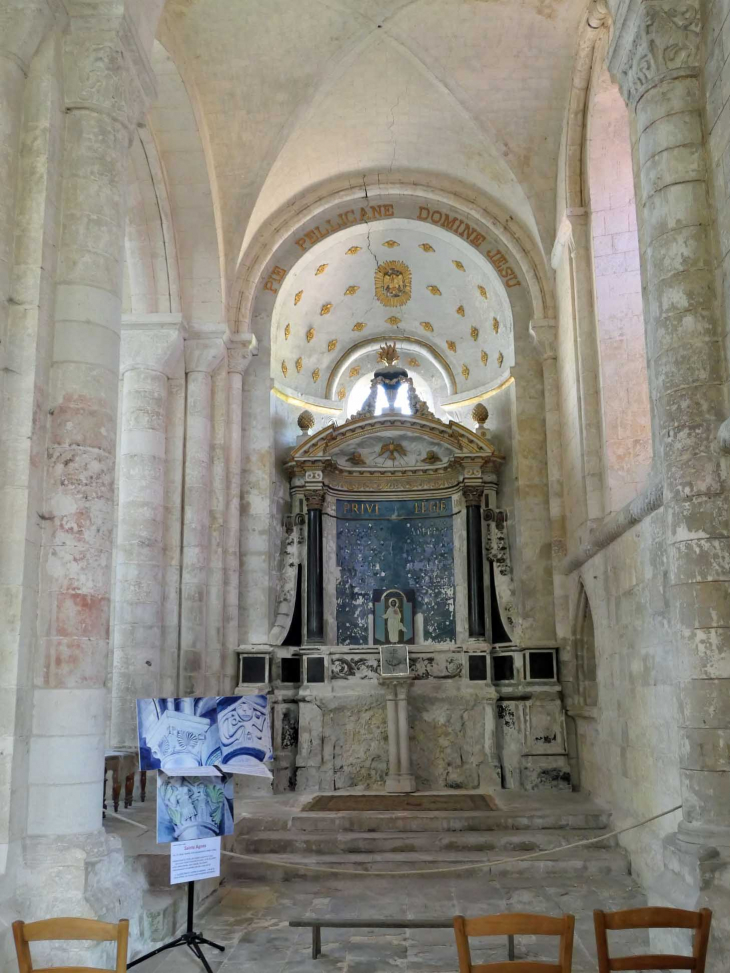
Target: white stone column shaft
(216, 550)
(67, 746)
(393, 751)
(148, 355)
(240, 349)
(404, 743)
(202, 357)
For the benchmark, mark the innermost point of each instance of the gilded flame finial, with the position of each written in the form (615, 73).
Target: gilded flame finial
(388, 354)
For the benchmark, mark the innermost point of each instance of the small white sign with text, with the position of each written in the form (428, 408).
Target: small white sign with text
(191, 861)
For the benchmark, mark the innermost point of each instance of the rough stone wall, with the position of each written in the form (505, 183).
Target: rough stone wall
(628, 746)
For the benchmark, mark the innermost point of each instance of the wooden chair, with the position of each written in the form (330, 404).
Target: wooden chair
(515, 924)
(653, 918)
(50, 929)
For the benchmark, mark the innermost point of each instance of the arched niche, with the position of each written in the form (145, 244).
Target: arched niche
(516, 406)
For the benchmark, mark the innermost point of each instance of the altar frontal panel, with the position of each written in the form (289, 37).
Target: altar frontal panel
(398, 544)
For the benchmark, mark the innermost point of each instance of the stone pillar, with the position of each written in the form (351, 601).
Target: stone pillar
(66, 759)
(150, 350)
(202, 356)
(315, 568)
(400, 780)
(475, 562)
(240, 348)
(656, 58)
(544, 333)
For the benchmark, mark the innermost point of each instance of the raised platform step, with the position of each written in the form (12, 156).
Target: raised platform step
(297, 842)
(439, 821)
(578, 863)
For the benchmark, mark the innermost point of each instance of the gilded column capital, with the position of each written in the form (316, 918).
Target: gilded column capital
(656, 40)
(152, 341)
(240, 349)
(106, 70)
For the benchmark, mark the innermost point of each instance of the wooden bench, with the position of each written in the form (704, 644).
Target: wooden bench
(318, 924)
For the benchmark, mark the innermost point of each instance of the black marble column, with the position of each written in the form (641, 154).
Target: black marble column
(475, 563)
(315, 570)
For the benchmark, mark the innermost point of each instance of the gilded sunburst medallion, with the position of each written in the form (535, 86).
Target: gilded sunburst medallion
(393, 283)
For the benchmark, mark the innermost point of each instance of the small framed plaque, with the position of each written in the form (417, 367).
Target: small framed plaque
(394, 660)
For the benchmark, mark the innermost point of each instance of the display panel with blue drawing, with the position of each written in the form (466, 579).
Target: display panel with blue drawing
(194, 807)
(205, 735)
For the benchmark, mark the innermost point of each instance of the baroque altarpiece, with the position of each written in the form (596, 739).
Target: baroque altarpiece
(396, 536)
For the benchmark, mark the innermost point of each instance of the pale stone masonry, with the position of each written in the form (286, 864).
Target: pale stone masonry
(197, 275)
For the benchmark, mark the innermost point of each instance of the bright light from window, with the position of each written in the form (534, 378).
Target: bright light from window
(361, 390)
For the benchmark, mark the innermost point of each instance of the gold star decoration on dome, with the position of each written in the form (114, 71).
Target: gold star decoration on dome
(500, 359)
(315, 375)
(495, 325)
(393, 321)
(284, 368)
(426, 325)
(391, 243)
(326, 308)
(451, 345)
(414, 363)
(354, 371)
(360, 326)
(352, 289)
(474, 332)
(465, 371)
(321, 269)
(299, 364)
(433, 289)
(460, 311)
(483, 291)
(459, 265)
(485, 358)
(426, 247)
(287, 332)
(341, 392)
(352, 251)
(297, 297)
(310, 335)
(331, 345)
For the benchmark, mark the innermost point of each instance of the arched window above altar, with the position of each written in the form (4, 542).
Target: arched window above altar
(361, 390)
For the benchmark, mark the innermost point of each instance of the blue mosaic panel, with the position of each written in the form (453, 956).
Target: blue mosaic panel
(395, 544)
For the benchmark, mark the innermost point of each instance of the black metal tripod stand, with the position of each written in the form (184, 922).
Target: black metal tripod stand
(193, 940)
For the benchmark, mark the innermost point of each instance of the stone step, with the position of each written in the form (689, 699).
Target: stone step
(577, 864)
(436, 821)
(375, 842)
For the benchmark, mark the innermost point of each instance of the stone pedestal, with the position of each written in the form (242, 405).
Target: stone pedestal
(400, 780)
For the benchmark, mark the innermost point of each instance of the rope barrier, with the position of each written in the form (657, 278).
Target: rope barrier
(467, 866)
(450, 868)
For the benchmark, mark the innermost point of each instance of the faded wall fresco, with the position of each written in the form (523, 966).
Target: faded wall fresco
(398, 544)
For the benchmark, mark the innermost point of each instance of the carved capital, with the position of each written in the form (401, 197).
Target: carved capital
(203, 354)
(240, 349)
(105, 67)
(544, 333)
(473, 495)
(152, 341)
(315, 500)
(656, 40)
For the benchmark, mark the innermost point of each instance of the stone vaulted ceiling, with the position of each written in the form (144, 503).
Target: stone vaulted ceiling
(440, 300)
(287, 95)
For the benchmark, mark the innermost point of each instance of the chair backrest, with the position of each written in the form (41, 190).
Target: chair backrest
(515, 924)
(653, 918)
(62, 928)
